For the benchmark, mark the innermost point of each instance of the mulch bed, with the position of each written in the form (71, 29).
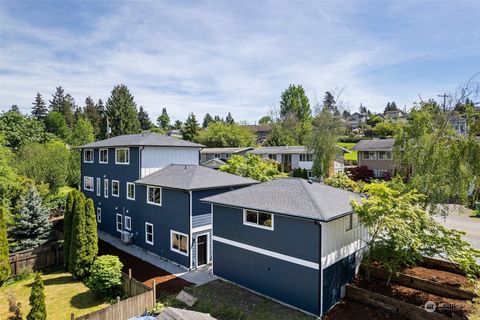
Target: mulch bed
(443, 277)
(352, 310)
(166, 283)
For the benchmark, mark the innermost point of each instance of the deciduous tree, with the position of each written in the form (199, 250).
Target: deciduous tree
(55, 123)
(163, 121)
(253, 166)
(19, 130)
(295, 103)
(4, 251)
(220, 135)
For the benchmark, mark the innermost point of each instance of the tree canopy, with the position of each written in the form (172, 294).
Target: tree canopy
(295, 103)
(221, 135)
(121, 111)
(253, 166)
(190, 129)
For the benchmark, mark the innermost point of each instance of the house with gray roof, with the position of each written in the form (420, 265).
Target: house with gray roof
(207, 154)
(376, 155)
(295, 241)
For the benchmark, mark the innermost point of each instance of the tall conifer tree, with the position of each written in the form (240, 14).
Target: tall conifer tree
(91, 231)
(122, 112)
(67, 226)
(79, 261)
(38, 309)
(39, 109)
(144, 118)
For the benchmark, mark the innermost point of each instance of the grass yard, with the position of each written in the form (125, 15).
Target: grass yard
(226, 301)
(352, 156)
(63, 295)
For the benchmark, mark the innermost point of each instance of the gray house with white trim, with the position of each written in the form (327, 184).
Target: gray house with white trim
(292, 240)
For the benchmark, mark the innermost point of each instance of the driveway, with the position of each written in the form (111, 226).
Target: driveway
(461, 218)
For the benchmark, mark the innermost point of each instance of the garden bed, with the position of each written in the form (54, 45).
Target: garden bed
(444, 277)
(353, 310)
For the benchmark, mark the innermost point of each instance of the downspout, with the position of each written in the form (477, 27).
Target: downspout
(140, 162)
(190, 240)
(320, 269)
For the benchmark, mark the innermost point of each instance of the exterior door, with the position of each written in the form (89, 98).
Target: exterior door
(287, 162)
(202, 242)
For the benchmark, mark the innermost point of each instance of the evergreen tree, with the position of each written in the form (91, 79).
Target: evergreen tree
(217, 119)
(79, 262)
(38, 309)
(14, 108)
(91, 232)
(229, 119)
(177, 124)
(4, 262)
(207, 120)
(67, 226)
(163, 121)
(391, 106)
(294, 103)
(346, 114)
(57, 100)
(190, 130)
(144, 118)
(31, 227)
(94, 114)
(122, 112)
(328, 101)
(101, 131)
(67, 108)
(39, 109)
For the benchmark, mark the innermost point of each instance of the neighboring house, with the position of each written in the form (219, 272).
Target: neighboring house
(292, 240)
(376, 155)
(223, 154)
(142, 198)
(293, 157)
(214, 163)
(356, 120)
(261, 130)
(394, 116)
(459, 123)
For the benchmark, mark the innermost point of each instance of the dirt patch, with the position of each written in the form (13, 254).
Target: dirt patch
(443, 277)
(352, 310)
(144, 271)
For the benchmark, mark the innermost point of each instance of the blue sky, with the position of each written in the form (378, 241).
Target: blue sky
(237, 56)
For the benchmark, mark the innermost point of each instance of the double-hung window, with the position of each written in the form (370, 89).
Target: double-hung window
(103, 156)
(130, 191)
(128, 223)
(179, 242)
(351, 222)
(149, 233)
(154, 195)
(122, 156)
(115, 188)
(99, 187)
(119, 222)
(105, 188)
(369, 155)
(88, 183)
(258, 219)
(88, 155)
(306, 157)
(384, 155)
(99, 215)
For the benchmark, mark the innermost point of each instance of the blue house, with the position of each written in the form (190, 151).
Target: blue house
(295, 241)
(147, 189)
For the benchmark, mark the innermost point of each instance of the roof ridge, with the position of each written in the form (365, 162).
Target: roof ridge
(310, 196)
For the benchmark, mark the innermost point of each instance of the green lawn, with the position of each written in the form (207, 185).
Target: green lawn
(63, 295)
(352, 156)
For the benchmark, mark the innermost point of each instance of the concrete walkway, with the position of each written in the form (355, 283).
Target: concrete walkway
(199, 276)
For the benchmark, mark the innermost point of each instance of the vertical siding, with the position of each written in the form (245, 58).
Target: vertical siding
(156, 158)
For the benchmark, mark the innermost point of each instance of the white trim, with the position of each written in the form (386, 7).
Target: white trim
(93, 155)
(100, 156)
(208, 248)
(171, 243)
(130, 223)
(106, 189)
(85, 184)
(99, 187)
(154, 203)
(99, 215)
(118, 183)
(322, 238)
(269, 253)
(128, 184)
(190, 231)
(116, 158)
(202, 228)
(256, 225)
(116, 222)
(153, 233)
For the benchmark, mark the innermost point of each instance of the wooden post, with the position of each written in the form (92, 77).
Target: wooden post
(72, 316)
(16, 264)
(154, 292)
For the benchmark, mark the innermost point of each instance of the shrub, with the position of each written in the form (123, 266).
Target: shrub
(38, 309)
(361, 173)
(342, 181)
(106, 276)
(14, 306)
(4, 262)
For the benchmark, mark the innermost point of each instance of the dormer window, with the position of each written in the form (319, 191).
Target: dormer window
(88, 155)
(122, 156)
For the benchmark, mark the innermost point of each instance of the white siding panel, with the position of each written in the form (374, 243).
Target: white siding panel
(156, 158)
(338, 243)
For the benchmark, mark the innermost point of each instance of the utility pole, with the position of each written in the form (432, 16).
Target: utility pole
(444, 96)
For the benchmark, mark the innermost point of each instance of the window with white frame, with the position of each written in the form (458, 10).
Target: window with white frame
(128, 223)
(130, 191)
(88, 155)
(384, 155)
(148, 233)
(351, 222)
(99, 215)
(272, 156)
(103, 156)
(154, 195)
(179, 242)
(122, 156)
(369, 155)
(258, 219)
(105, 188)
(99, 187)
(306, 157)
(115, 188)
(88, 183)
(216, 155)
(119, 222)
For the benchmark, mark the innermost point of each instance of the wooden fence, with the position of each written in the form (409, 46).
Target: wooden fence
(42, 257)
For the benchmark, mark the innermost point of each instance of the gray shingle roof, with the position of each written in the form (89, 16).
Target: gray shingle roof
(279, 149)
(290, 196)
(170, 313)
(193, 177)
(374, 145)
(142, 139)
(225, 150)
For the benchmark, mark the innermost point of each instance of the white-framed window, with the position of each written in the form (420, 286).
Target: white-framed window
(115, 188)
(369, 155)
(122, 156)
(217, 155)
(154, 195)
(88, 155)
(149, 233)
(119, 221)
(384, 155)
(272, 156)
(88, 183)
(258, 219)
(130, 191)
(99, 215)
(103, 156)
(105, 188)
(128, 223)
(99, 187)
(351, 222)
(179, 242)
(306, 157)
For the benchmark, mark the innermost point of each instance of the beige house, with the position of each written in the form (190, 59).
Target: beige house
(376, 155)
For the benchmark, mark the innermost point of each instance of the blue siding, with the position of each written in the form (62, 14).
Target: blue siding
(199, 207)
(334, 277)
(202, 220)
